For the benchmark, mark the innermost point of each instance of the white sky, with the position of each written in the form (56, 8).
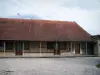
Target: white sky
(85, 12)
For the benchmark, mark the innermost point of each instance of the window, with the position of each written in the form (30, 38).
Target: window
(26, 45)
(63, 46)
(43, 44)
(9, 45)
(50, 45)
(1, 44)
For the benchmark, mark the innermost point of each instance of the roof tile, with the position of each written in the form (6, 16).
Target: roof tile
(41, 30)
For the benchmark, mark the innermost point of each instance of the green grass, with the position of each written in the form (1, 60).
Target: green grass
(98, 65)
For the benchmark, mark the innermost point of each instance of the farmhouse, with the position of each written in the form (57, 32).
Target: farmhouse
(22, 36)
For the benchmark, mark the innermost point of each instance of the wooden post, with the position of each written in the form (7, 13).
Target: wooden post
(71, 46)
(40, 48)
(23, 49)
(74, 48)
(14, 46)
(86, 48)
(56, 47)
(4, 47)
(80, 49)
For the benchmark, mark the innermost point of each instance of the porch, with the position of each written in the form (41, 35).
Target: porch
(45, 48)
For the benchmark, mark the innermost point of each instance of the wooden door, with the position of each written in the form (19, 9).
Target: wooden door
(77, 48)
(57, 49)
(18, 48)
(68, 47)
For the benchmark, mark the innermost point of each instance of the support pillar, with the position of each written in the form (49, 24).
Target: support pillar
(71, 47)
(4, 48)
(74, 48)
(57, 50)
(40, 48)
(86, 48)
(14, 47)
(23, 49)
(56, 47)
(80, 49)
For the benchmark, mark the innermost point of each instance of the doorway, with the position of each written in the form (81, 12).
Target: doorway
(18, 48)
(77, 48)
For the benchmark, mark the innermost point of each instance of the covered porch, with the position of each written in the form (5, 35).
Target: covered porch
(45, 48)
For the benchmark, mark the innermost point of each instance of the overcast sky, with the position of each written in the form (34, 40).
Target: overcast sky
(85, 12)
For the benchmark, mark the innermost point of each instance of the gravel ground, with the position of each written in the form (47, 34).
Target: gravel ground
(50, 66)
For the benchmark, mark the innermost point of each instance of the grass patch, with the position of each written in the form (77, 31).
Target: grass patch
(98, 65)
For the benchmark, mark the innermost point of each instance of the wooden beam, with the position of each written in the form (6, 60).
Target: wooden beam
(86, 48)
(56, 47)
(40, 48)
(80, 49)
(14, 46)
(4, 47)
(71, 46)
(23, 49)
(74, 48)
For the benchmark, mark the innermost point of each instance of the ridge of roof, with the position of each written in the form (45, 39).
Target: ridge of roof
(35, 20)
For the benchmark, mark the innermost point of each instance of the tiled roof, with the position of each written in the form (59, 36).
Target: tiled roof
(41, 30)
